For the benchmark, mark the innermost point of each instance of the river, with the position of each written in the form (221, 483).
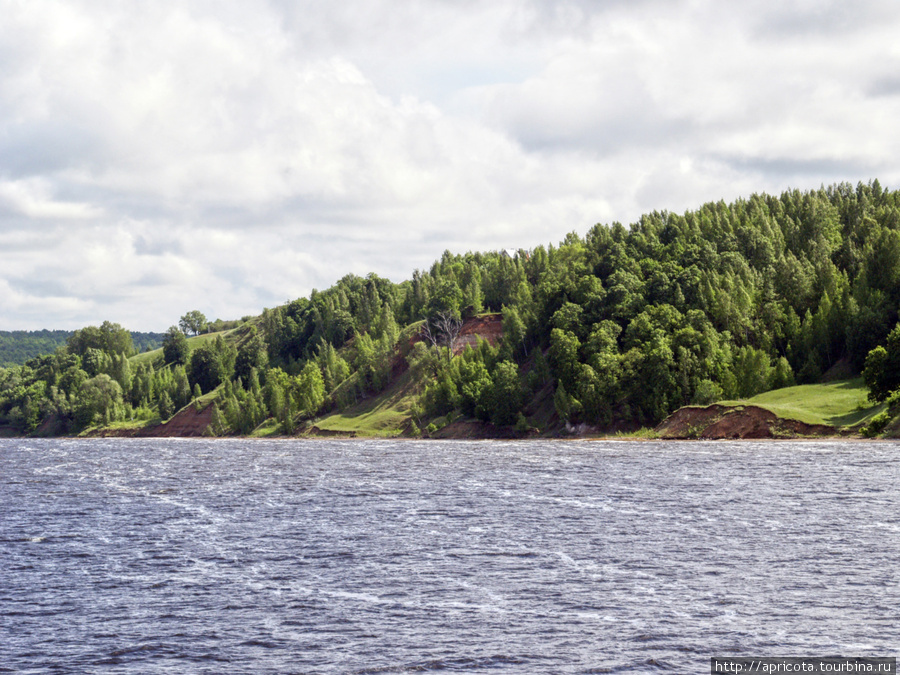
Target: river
(311, 556)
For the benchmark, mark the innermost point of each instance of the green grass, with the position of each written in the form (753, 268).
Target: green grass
(95, 429)
(145, 357)
(644, 433)
(193, 343)
(839, 404)
(267, 429)
(386, 414)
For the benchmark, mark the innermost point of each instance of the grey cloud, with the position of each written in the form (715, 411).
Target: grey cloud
(575, 16)
(818, 169)
(156, 246)
(34, 148)
(823, 18)
(151, 280)
(12, 221)
(46, 286)
(41, 286)
(884, 86)
(606, 137)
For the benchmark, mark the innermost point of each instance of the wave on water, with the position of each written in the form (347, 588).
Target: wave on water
(143, 556)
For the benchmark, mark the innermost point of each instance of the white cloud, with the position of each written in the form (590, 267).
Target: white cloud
(32, 198)
(156, 157)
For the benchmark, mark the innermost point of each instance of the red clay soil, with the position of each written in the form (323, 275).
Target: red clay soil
(722, 422)
(186, 423)
(488, 327)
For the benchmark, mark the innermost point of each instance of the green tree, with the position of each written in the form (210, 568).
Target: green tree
(882, 370)
(99, 401)
(96, 361)
(446, 299)
(310, 389)
(175, 346)
(193, 322)
(165, 406)
(564, 347)
(109, 338)
(218, 425)
(506, 393)
(513, 330)
(752, 371)
(474, 384)
(566, 406)
(206, 368)
(251, 354)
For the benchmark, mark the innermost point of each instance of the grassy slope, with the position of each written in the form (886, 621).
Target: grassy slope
(838, 404)
(193, 343)
(386, 414)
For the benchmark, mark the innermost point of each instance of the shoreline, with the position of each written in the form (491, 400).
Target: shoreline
(691, 423)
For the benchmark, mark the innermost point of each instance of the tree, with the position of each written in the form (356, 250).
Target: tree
(251, 354)
(175, 346)
(98, 401)
(310, 389)
(334, 368)
(206, 368)
(506, 393)
(474, 384)
(882, 370)
(193, 322)
(752, 371)
(513, 330)
(165, 406)
(446, 299)
(566, 406)
(443, 330)
(564, 348)
(95, 361)
(218, 425)
(110, 338)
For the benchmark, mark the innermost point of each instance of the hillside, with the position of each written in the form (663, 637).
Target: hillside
(842, 404)
(19, 346)
(827, 409)
(609, 331)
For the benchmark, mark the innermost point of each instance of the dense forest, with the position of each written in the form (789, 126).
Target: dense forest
(18, 346)
(617, 327)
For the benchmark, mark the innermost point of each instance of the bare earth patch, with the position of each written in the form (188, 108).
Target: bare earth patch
(723, 422)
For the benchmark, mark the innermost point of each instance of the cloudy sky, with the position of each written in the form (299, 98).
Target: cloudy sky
(158, 156)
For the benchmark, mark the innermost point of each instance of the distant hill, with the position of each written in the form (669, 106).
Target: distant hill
(18, 346)
(144, 342)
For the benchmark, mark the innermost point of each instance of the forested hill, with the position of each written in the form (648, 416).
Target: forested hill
(18, 346)
(619, 326)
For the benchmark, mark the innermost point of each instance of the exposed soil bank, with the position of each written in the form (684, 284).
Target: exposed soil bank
(186, 423)
(488, 327)
(722, 422)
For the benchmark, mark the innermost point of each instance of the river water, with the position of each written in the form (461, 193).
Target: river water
(235, 556)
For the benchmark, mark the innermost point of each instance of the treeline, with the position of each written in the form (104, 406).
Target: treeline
(18, 346)
(616, 327)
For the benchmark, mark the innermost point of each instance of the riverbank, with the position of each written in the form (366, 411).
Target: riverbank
(834, 409)
(691, 422)
(745, 422)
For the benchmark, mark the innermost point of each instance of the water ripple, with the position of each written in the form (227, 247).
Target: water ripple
(202, 556)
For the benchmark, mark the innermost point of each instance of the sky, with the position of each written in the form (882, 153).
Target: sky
(160, 156)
